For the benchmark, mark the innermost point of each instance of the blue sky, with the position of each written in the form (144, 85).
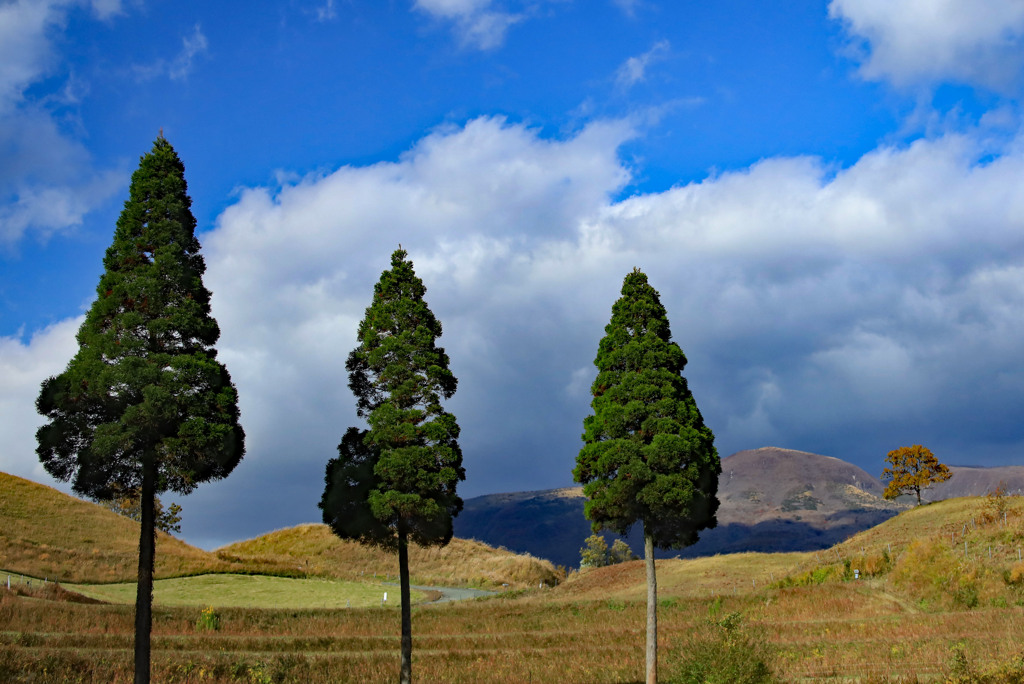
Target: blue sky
(828, 196)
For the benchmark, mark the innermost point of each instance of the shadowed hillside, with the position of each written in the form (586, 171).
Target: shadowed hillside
(785, 500)
(772, 500)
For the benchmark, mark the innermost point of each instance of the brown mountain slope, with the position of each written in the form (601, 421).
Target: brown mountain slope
(784, 484)
(973, 481)
(772, 499)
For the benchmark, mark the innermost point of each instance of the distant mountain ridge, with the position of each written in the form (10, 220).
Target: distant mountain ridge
(772, 499)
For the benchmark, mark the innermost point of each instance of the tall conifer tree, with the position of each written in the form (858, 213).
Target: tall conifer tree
(647, 457)
(394, 483)
(145, 405)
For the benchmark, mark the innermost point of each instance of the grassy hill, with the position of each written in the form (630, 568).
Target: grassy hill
(926, 608)
(314, 550)
(954, 554)
(46, 533)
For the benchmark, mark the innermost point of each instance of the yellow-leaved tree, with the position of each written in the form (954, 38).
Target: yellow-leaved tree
(913, 468)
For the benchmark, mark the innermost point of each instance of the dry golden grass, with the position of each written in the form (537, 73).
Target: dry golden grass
(950, 554)
(849, 631)
(46, 533)
(317, 551)
(690, 578)
(925, 608)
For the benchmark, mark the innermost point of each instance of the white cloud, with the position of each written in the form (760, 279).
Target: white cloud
(178, 68)
(808, 298)
(629, 7)
(883, 301)
(634, 69)
(191, 46)
(23, 367)
(48, 209)
(478, 23)
(106, 9)
(326, 12)
(47, 182)
(25, 51)
(978, 42)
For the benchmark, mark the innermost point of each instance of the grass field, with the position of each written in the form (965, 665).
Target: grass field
(251, 591)
(832, 631)
(937, 596)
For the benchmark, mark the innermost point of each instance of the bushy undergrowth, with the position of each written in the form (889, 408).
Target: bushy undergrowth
(935, 576)
(723, 652)
(960, 669)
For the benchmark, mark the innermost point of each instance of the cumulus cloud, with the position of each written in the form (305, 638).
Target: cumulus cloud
(839, 310)
(634, 69)
(478, 23)
(23, 367)
(883, 302)
(977, 42)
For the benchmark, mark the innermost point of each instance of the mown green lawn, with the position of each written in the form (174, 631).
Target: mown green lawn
(251, 591)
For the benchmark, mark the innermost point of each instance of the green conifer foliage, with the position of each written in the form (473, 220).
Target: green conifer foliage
(145, 405)
(647, 455)
(395, 482)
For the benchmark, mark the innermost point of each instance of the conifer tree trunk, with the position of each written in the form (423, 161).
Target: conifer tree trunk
(405, 676)
(652, 609)
(147, 552)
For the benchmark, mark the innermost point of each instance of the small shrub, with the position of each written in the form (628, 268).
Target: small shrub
(820, 575)
(723, 653)
(959, 669)
(966, 594)
(1015, 575)
(258, 674)
(616, 605)
(715, 608)
(209, 620)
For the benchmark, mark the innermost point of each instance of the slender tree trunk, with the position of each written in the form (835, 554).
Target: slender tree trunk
(405, 676)
(147, 552)
(652, 610)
